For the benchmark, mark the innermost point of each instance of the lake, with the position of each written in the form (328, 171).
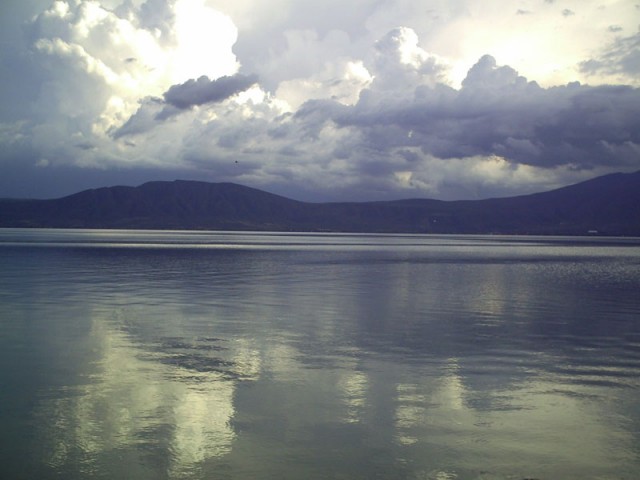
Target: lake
(220, 355)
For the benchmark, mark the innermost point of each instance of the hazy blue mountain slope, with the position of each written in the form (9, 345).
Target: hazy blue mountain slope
(608, 205)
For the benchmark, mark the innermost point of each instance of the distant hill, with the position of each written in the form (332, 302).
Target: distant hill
(608, 205)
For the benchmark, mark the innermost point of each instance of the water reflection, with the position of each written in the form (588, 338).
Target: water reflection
(446, 361)
(439, 423)
(131, 404)
(353, 385)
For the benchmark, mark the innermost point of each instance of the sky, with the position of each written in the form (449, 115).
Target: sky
(319, 100)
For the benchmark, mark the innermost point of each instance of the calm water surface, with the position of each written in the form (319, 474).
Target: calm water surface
(171, 355)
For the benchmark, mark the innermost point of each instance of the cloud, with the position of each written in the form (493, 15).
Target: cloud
(406, 130)
(360, 108)
(179, 98)
(621, 58)
(102, 69)
(487, 74)
(203, 90)
(143, 120)
(400, 62)
(341, 80)
(497, 112)
(155, 16)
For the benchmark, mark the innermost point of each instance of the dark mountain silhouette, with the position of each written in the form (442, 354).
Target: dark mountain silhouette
(607, 205)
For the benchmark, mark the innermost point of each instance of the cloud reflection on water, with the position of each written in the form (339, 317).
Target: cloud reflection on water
(135, 404)
(262, 363)
(130, 403)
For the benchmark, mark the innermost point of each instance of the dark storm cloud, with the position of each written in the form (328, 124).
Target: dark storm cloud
(183, 97)
(203, 90)
(313, 114)
(496, 112)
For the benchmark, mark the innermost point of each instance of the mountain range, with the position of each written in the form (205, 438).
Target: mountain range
(607, 205)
